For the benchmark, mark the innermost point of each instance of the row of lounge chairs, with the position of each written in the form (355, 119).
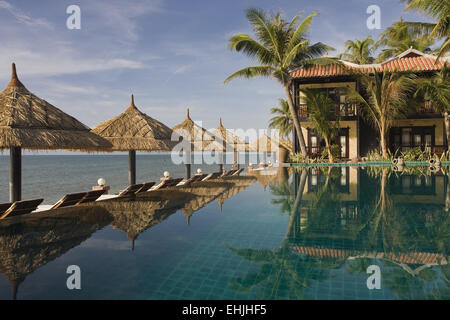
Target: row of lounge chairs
(75, 199)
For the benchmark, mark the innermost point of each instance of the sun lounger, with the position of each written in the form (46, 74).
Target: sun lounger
(131, 190)
(92, 196)
(4, 207)
(196, 178)
(145, 187)
(21, 207)
(75, 199)
(212, 176)
(69, 200)
(167, 184)
(228, 173)
(238, 172)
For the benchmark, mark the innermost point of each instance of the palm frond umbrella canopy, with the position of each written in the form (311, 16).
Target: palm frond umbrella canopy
(28, 122)
(135, 216)
(268, 144)
(264, 144)
(134, 131)
(27, 244)
(204, 193)
(198, 137)
(225, 140)
(239, 184)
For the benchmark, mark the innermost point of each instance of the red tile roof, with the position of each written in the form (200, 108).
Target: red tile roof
(412, 257)
(401, 63)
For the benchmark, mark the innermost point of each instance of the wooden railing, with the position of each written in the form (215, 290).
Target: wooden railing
(340, 109)
(427, 107)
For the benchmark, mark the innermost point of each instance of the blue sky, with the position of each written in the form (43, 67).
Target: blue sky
(170, 54)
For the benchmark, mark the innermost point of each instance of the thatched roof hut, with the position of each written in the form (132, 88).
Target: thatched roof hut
(264, 144)
(29, 122)
(135, 216)
(204, 192)
(196, 135)
(270, 144)
(26, 244)
(266, 176)
(224, 140)
(239, 184)
(134, 130)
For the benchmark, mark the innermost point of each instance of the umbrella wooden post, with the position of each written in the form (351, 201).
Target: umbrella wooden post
(15, 175)
(220, 162)
(188, 171)
(132, 167)
(236, 160)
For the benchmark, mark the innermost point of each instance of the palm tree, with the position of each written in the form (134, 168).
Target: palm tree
(359, 51)
(385, 98)
(437, 91)
(398, 38)
(283, 119)
(280, 47)
(439, 10)
(322, 117)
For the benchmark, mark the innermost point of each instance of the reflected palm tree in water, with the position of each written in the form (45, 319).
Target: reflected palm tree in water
(282, 272)
(408, 239)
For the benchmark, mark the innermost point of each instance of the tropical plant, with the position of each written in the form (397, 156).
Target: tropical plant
(280, 47)
(438, 10)
(336, 151)
(386, 97)
(359, 51)
(436, 90)
(398, 38)
(283, 119)
(322, 117)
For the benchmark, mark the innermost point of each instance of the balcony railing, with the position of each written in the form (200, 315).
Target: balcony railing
(427, 107)
(340, 110)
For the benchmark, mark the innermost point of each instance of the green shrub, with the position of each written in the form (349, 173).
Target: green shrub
(335, 151)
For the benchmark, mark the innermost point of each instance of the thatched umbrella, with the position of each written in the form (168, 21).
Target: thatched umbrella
(28, 122)
(197, 136)
(265, 177)
(134, 216)
(134, 131)
(224, 138)
(204, 193)
(26, 244)
(239, 184)
(267, 144)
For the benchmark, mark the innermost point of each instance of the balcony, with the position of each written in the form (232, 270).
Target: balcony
(427, 107)
(340, 110)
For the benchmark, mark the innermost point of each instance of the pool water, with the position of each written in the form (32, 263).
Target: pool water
(285, 234)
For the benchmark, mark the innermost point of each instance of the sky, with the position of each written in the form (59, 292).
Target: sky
(170, 54)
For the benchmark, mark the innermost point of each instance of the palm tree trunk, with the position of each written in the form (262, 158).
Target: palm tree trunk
(447, 128)
(295, 208)
(330, 154)
(295, 120)
(383, 140)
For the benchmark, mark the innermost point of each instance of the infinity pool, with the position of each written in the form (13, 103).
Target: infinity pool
(283, 234)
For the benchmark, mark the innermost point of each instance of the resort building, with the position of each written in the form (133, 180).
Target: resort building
(423, 127)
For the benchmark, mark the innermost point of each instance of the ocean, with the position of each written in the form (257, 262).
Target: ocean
(52, 176)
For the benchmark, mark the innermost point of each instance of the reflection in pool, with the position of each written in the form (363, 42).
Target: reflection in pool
(278, 234)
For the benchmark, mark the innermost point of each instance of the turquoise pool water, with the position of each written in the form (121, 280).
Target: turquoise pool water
(284, 235)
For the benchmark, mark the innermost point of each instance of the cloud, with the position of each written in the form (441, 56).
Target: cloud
(23, 18)
(121, 19)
